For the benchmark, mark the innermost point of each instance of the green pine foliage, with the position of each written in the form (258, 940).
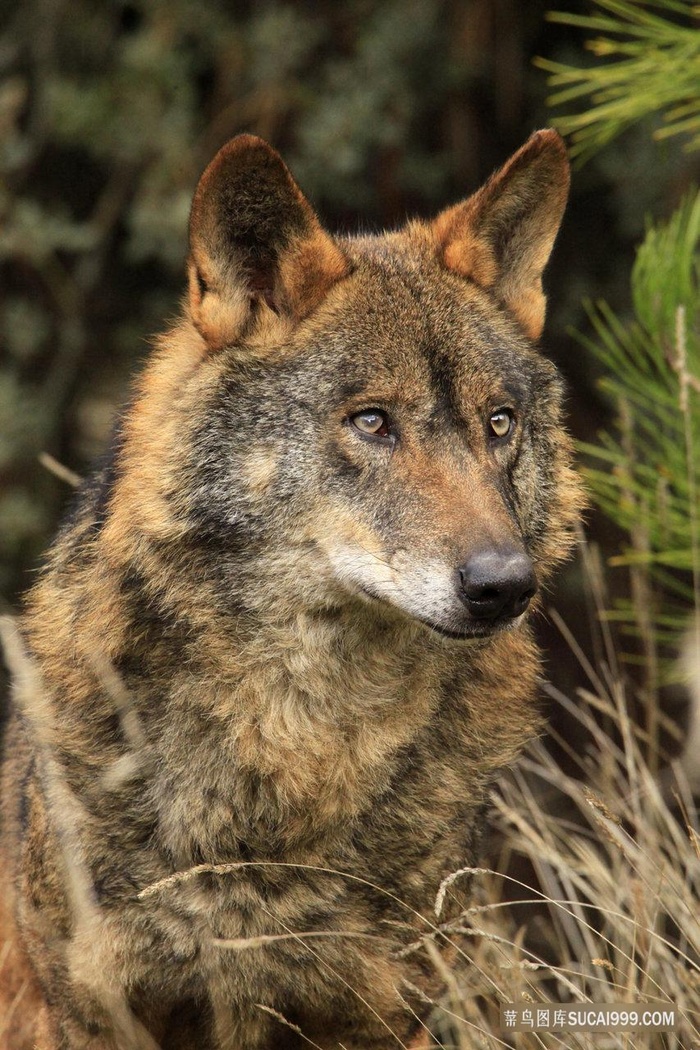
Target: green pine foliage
(646, 476)
(648, 62)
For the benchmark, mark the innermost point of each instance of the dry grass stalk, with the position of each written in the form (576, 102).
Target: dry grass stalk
(89, 967)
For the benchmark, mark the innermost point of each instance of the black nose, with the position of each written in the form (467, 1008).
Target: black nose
(496, 583)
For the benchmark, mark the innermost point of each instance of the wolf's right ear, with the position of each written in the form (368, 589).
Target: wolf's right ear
(255, 242)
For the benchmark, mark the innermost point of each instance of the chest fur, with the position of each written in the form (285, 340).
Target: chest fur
(287, 750)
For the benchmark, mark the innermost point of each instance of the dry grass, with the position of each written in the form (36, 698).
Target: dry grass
(614, 913)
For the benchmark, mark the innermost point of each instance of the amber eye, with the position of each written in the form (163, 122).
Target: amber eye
(371, 422)
(501, 423)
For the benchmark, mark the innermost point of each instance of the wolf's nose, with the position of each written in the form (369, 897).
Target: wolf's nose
(497, 584)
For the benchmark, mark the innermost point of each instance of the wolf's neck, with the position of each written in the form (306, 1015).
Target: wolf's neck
(288, 684)
(307, 718)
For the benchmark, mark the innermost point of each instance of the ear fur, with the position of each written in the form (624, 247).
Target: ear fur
(502, 236)
(255, 242)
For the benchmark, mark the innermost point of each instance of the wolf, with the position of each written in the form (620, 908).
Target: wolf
(282, 645)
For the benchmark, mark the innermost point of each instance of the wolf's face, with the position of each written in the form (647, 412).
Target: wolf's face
(392, 435)
(433, 455)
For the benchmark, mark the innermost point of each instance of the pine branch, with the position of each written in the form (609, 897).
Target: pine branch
(646, 64)
(645, 475)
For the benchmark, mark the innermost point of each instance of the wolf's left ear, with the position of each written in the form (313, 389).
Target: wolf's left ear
(502, 236)
(255, 244)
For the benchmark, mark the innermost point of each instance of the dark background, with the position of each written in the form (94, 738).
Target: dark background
(110, 110)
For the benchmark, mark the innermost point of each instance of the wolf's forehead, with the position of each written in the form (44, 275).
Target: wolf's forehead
(424, 332)
(400, 291)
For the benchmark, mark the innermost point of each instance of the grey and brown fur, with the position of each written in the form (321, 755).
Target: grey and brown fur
(249, 646)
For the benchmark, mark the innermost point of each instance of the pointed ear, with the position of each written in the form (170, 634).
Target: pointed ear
(502, 236)
(255, 244)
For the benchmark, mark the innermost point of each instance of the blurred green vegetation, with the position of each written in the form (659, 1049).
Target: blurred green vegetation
(383, 108)
(644, 470)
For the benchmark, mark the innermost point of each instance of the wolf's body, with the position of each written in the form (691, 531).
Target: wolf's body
(284, 630)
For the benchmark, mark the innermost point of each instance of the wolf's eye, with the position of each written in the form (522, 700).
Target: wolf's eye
(371, 422)
(501, 423)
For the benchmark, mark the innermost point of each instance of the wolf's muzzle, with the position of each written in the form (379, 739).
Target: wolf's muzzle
(497, 584)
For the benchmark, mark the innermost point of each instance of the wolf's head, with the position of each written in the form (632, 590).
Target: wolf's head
(362, 420)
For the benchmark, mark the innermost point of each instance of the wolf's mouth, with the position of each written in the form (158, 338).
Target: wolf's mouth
(479, 631)
(469, 634)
